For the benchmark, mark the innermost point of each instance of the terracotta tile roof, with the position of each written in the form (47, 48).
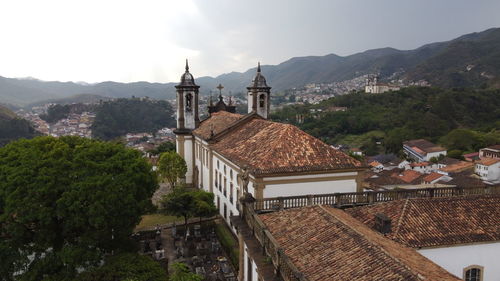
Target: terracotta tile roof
(432, 177)
(408, 176)
(428, 222)
(458, 167)
(267, 147)
(218, 121)
(488, 161)
(420, 164)
(325, 243)
(466, 179)
(494, 147)
(393, 177)
(424, 145)
(448, 161)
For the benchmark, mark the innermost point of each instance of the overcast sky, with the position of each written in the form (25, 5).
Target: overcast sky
(141, 40)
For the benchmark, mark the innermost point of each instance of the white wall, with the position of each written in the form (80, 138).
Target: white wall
(231, 177)
(434, 154)
(188, 157)
(455, 259)
(255, 276)
(310, 187)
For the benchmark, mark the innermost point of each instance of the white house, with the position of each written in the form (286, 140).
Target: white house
(488, 169)
(421, 150)
(229, 154)
(490, 152)
(461, 234)
(375, 87)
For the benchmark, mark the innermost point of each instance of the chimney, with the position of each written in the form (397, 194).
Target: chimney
(382, 223)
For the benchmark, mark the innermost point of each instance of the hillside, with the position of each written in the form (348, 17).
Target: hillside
(471, 60)
(13, 127)
(119, 117)
(392, 117)
(444, 64)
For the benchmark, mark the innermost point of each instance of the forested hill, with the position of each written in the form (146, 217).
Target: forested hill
(12, 127)
(459, 119)
(119, 117)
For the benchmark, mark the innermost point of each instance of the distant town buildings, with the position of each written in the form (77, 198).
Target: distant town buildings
(376, 87)
(422, 150)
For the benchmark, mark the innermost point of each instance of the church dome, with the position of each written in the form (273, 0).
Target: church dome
(187, 78)
(259, 81)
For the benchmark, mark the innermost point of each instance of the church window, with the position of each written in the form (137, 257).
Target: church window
(231, 174)
(231, 193)
(224, 169)
(262, 100)
(225, 187)
(473, 273)
(189, 101)
(217, 164)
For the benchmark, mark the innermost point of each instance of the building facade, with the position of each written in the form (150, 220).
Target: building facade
(231, 154)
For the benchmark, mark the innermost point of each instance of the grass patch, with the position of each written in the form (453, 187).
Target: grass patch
(151, 220)
(228, 242)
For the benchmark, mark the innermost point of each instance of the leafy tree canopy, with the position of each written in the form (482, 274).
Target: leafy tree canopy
(171, 167)
(181, 272)
(66, 201)
(167, 146)
(119, 117)
(126, 266)
(410, 113)
(186, 203)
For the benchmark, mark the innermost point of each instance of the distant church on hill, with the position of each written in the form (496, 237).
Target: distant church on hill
(230, 154)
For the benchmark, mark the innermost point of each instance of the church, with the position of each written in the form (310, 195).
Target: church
(230, 154)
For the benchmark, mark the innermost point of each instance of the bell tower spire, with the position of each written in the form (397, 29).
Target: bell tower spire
(187, 120)
(259, 95)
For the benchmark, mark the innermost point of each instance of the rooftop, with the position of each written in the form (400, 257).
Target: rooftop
(320, 239)
(415, 223)
(267, 147)
(457, 167)
(216, 123)
(488, 161)
(432, 176)
(424, 145)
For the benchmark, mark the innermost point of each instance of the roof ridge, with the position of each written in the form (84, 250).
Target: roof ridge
(380, 247)
(246, 118)
(403, 213)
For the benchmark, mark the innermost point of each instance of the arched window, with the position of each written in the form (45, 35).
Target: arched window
(262, 100)
(189, 101)
(473, 273)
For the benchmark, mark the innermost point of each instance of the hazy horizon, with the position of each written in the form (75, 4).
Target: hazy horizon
(126, 41)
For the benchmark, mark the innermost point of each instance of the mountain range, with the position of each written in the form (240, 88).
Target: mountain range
(472, 60)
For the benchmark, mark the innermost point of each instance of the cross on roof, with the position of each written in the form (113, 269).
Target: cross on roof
(220, 87)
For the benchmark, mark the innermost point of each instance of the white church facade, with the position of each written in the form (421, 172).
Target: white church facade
(230, 154)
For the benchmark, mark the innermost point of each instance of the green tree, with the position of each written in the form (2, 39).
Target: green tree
(171, 167)
(126, 266)
(180, 272)
(65, 202)
(167, 146)
(185, 203)
(204, 204)
(119, 117)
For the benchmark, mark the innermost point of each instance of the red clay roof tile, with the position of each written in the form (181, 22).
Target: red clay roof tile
(428, 222)
(325, 243)
(267, 147)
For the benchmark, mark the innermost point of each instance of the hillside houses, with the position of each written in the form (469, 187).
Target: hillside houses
(421, 150)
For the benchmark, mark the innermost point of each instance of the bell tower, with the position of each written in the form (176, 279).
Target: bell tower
(187, 120)
(187, 102)
(259, 95)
